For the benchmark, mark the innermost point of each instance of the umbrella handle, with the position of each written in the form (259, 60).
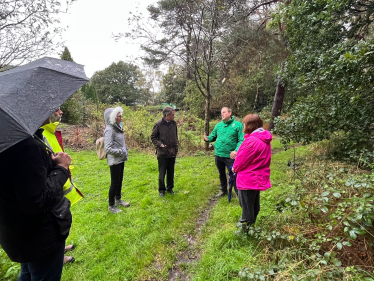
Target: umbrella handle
(39, 140)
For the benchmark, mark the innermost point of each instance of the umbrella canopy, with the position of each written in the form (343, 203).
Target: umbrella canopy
(30, 93)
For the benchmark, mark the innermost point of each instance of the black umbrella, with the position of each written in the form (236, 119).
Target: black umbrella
(232, 180)
(30, 93)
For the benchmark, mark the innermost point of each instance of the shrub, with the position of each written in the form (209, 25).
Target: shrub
(322, 229)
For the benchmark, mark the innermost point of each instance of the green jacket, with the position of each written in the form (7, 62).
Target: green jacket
(228, 137)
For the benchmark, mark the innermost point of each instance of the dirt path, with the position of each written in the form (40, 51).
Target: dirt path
(191, 253)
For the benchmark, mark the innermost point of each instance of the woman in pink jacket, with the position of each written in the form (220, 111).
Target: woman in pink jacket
(252, 165)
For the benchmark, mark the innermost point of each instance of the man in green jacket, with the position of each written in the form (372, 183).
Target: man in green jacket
(228, 136)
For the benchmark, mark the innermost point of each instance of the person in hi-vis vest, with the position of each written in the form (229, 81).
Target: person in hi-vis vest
(53, 139)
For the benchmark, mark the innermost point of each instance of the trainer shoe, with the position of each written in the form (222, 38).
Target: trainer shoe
(114, 209)
(120, 202)
(221, 193)
(171, 191)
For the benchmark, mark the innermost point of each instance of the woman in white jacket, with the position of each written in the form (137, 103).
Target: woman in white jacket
(116, 150)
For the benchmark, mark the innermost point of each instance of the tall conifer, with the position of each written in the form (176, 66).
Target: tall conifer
(66, 55)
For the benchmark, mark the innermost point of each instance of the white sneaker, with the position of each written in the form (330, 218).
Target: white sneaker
(120, 202)
(114, 209)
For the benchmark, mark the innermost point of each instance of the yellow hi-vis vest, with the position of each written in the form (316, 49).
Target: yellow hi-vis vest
(70, 191)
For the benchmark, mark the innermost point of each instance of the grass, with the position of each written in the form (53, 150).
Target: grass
(224, 253)
(142, 242)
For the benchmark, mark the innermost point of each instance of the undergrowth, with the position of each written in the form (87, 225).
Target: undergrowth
(321, 230)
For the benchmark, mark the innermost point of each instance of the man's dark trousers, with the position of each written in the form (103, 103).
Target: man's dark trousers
(48, 268)
(165, 166)
(222, 163)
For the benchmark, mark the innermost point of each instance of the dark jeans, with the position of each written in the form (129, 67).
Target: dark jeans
(165, 166)
(116, 177)
(49, 268)
(221, 164)
(250, 202)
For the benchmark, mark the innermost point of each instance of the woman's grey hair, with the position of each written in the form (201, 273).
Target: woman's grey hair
(167, 111)
(113, 114)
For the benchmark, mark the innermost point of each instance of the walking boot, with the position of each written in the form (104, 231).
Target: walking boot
(221, 193)
(243, 228)
(114, 209)
(120, 202)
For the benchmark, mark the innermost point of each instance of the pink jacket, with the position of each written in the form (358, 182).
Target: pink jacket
(252, 162)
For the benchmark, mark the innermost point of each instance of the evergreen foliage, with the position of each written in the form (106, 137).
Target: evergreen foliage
(75, 107)
(117, 83)
(330, 72)
(89, 92)
(173, 86)
(66, 55)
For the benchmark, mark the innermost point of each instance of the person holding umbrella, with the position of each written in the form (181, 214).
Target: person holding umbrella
(252, 165)
(53, 139)
(35, 215)
(117, 153)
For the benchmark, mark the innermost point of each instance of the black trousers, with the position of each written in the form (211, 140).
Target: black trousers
(165, 166)
(116, 177)
(221, 164)
(250, 202)
(47, 268)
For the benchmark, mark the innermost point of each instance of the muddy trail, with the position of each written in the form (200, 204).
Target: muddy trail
(191, 253)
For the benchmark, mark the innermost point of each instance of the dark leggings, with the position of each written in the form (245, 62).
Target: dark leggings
(116, 176)
(250, 202)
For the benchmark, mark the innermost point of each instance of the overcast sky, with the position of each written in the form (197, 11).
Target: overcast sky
(91, 24)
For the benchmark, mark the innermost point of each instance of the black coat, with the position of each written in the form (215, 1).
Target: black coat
(165, 133)
(35, 216)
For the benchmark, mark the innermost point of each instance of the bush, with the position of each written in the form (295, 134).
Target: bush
(347, 121)
(321, 230)
(74, 109)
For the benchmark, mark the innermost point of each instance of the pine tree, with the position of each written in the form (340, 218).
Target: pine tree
(74, 107)
(66, 55)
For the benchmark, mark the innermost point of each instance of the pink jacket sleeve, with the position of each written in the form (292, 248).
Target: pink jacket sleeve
(244, 156)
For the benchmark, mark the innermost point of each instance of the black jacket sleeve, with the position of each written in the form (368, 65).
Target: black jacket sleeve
(40, 184)
(155, 134)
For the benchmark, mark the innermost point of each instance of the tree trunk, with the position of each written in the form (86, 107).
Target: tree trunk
(278, 102)
(188, 54)
(207, 118)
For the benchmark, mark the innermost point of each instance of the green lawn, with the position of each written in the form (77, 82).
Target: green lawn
(142, 242)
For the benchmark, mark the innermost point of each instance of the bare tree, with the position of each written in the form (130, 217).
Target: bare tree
(29, 29)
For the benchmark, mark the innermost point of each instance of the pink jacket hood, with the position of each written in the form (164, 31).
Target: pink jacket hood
(263, 135)
(252, 162)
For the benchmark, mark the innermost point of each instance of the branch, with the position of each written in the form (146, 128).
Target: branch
(261, 5)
